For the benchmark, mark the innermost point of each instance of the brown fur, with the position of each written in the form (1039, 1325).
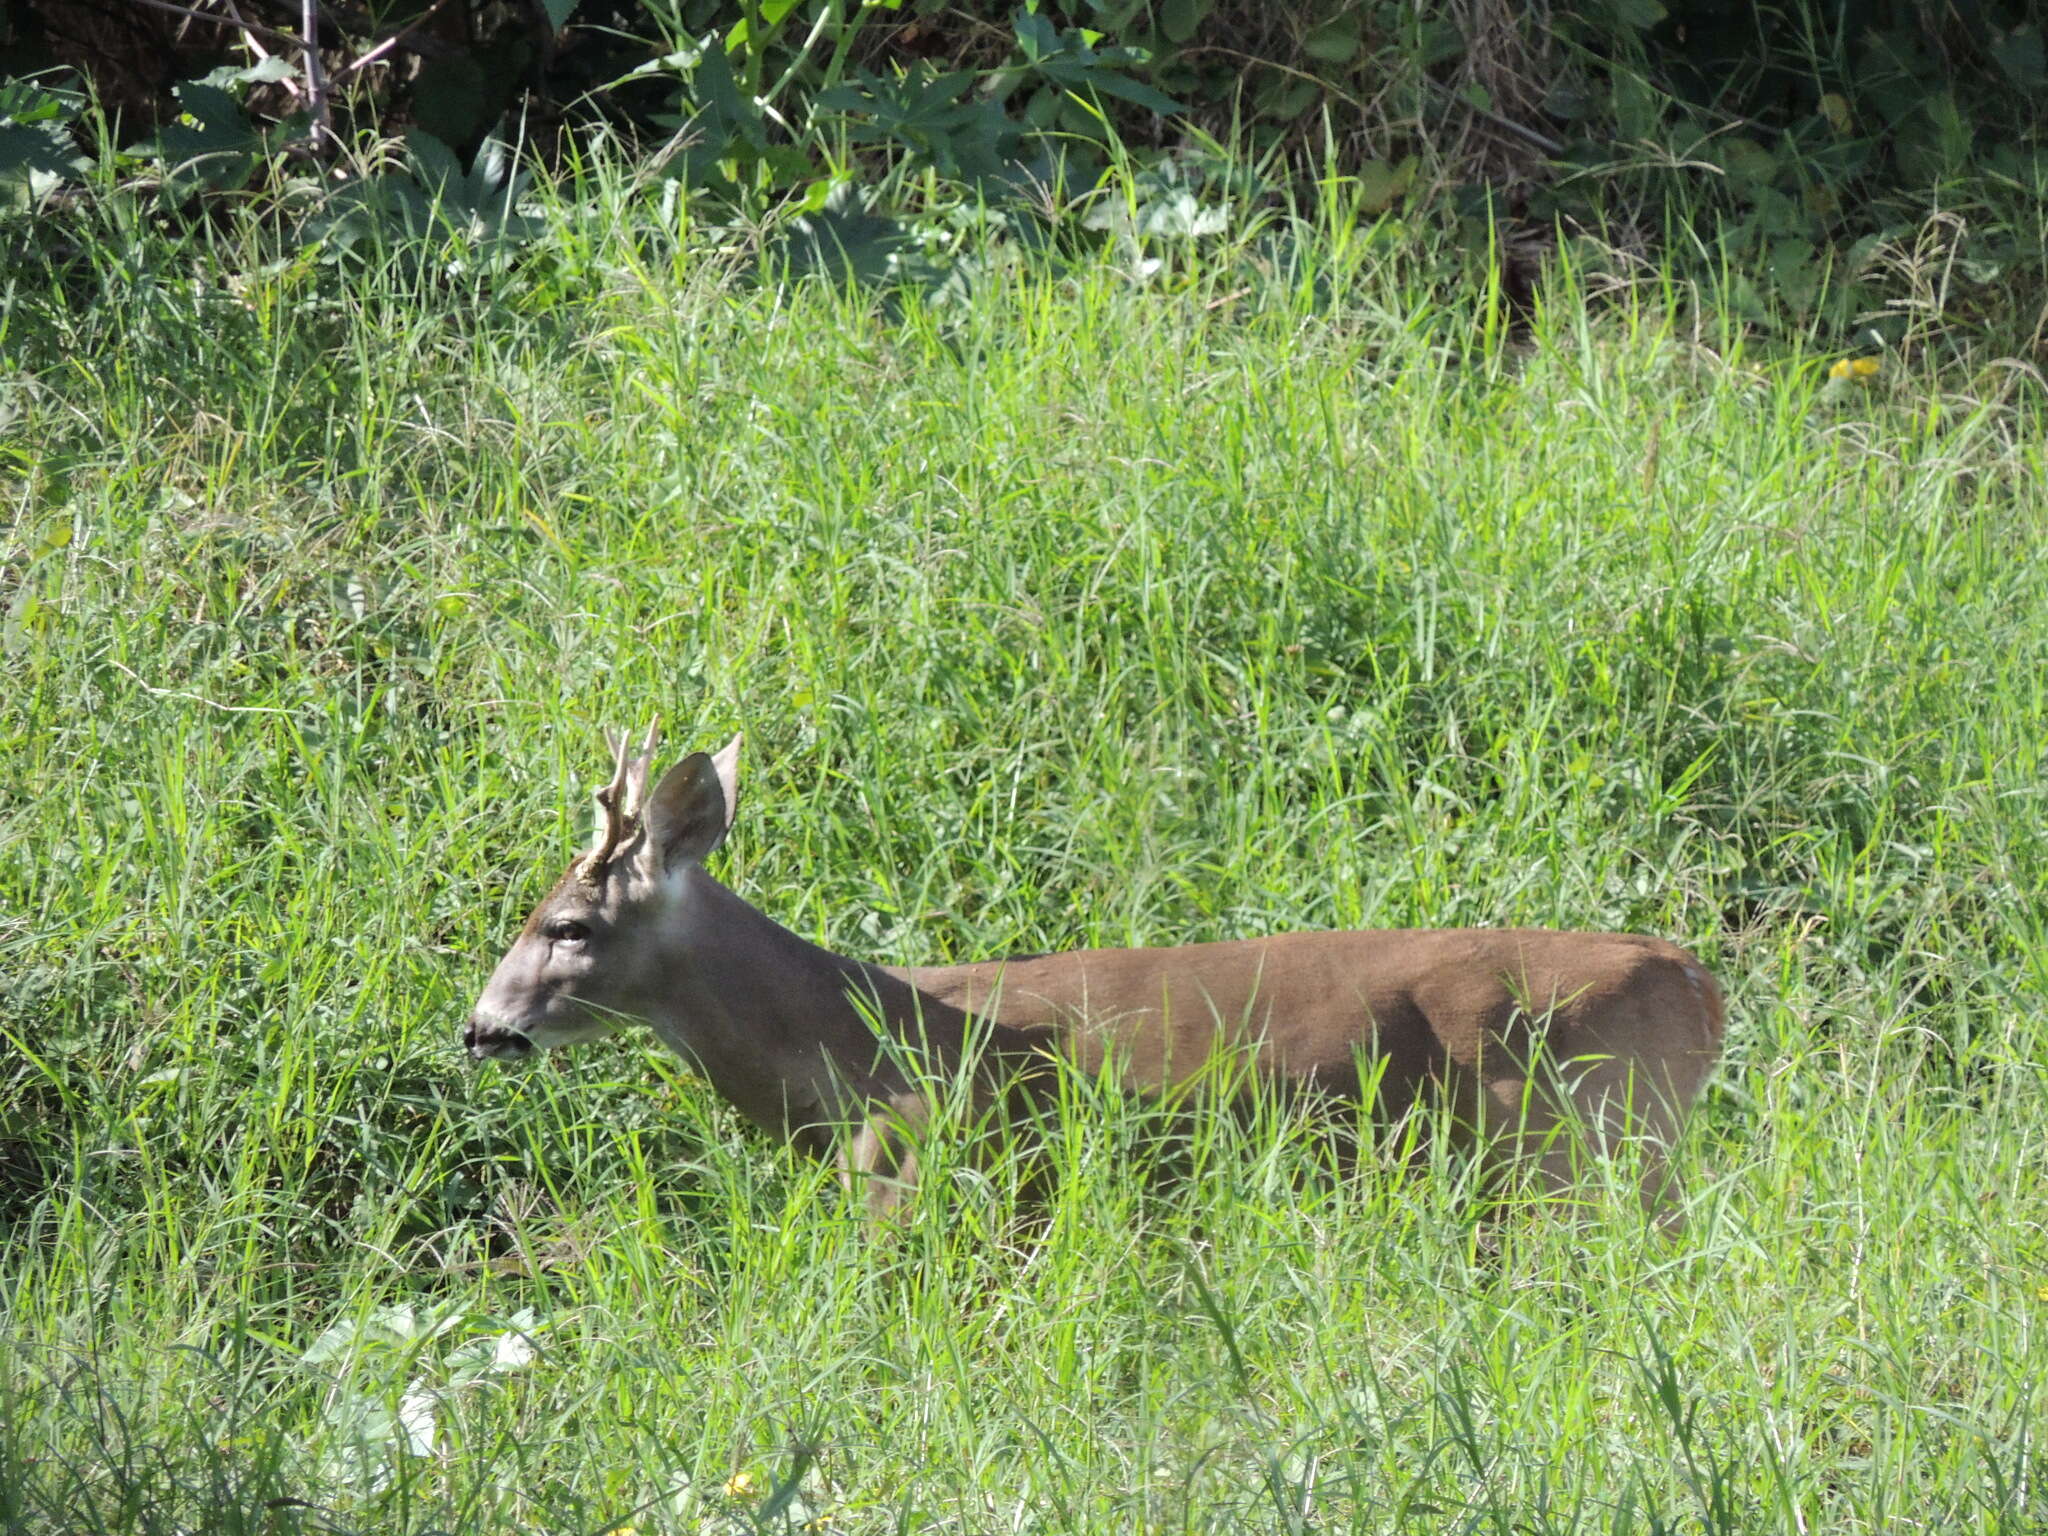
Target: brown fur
(1537, 1043)
(1528, 1036)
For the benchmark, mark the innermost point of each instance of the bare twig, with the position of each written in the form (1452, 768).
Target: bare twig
(321, 132)
(1548, 145)
(226, 23)
(426, 47)
(398, 39)
(242, 25)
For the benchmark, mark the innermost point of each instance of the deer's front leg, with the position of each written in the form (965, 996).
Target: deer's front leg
(879, 1163)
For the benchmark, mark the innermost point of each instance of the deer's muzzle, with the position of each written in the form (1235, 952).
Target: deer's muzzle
(494, 1040)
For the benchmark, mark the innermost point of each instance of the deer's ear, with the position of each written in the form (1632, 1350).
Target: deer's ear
(692, 807)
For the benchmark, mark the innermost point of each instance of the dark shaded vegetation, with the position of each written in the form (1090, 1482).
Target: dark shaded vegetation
(1871, 172)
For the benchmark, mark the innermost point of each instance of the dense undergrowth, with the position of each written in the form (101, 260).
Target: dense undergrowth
(1165, 594)
(1867, 174)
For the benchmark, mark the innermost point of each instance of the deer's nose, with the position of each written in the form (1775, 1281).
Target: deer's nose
(485, 1040)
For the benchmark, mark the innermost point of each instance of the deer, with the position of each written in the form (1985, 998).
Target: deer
(1536, 1045)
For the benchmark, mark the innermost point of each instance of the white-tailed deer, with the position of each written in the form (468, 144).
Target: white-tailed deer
(1536, 1041)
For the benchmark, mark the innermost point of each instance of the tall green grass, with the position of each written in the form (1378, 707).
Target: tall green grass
(1272, 591)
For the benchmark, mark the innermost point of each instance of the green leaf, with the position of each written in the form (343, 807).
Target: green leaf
(1036, 36)
(263, 72)
(34, 155)
(450, 99)
(22, 102)
(1043, 107)
(1135, 92)
(1286, 97)
(1795, 273)
(559, 12)
(1637, 106)
(1336, 41)
(492, 166)
(1380, 184)
(433, 163)
(1441, 41)
(1746, 162)
(734, 115)
(1070, 59)
(844, 240)
(1640, 14)
(1174, 212)
(1568, 99)
(2020, 55)
(219, 147)
(1954, 136)
(1178, 19)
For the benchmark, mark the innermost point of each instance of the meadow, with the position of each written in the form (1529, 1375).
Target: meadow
(1272, 588)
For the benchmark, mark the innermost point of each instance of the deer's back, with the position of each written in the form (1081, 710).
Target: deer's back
(1418, 1003)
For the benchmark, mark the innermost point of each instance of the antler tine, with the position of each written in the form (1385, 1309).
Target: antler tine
(637, 770)
(610, 805)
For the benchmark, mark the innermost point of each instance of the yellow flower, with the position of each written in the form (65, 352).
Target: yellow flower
(1861, 369)
(2041, 1294)
(741, 1485)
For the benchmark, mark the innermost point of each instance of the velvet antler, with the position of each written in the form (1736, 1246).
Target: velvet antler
(619, 801)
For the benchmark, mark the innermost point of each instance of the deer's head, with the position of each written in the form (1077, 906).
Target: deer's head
(587, 959)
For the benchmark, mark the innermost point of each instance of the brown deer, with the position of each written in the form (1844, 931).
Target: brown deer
(1533, 1041)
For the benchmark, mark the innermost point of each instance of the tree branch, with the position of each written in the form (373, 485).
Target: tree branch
(322, 130)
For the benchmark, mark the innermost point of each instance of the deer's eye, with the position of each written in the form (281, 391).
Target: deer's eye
(566, 930)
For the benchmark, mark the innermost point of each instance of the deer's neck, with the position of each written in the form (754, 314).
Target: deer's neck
(793, 1034)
